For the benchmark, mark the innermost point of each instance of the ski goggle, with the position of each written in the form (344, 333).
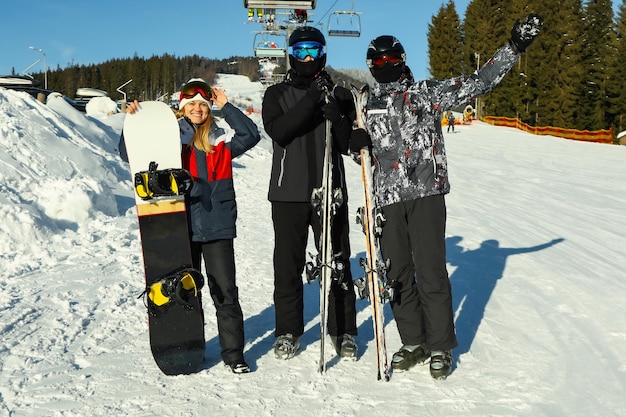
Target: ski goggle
(381, 61)
(301, 50)
(190, 90)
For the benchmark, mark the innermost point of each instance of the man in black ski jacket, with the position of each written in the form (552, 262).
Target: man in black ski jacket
(294, 114)
(411, 179)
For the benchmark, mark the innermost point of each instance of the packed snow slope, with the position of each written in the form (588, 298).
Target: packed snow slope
(536, 256)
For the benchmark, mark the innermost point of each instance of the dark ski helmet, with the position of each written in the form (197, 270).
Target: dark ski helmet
(384, 45)
(390, 70)
(306, 33)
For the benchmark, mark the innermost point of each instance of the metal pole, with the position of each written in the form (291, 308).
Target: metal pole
(119, 90)
(45, 65)
(477, 56)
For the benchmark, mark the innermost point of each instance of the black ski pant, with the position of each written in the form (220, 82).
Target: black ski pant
(291, 231)
(414, 242)
(219, 263)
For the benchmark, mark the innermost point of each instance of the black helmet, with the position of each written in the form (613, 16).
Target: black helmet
(384, 45)
(306, 33)
(386, 59)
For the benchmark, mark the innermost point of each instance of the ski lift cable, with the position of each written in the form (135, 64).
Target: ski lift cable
(321, 19)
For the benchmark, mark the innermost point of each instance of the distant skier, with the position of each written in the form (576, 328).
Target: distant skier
(450, 121)
(300, 16)
(411, 175)
(259, 13)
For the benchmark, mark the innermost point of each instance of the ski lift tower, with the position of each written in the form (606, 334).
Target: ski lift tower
(266, 43)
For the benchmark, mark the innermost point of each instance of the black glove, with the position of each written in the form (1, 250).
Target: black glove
(332, 112)
(523, 33)
(321, 84)
(359, 139)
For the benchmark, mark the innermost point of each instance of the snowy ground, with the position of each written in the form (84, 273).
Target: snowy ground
(536, 252)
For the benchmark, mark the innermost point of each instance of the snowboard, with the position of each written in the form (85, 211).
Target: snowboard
(172, 291)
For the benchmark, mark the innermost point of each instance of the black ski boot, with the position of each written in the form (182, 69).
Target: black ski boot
(440, 364)
(408, 356)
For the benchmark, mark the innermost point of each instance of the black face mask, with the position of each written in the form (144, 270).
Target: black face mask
(307, 69)
(388, 74)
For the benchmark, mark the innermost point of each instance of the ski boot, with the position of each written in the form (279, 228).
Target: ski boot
(440, 364)
(286, 346)
(345, 346)
(408, 356)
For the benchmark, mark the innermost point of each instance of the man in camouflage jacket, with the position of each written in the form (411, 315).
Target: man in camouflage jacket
(403, 122)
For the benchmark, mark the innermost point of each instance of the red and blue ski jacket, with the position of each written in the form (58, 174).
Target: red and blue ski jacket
(212, 205)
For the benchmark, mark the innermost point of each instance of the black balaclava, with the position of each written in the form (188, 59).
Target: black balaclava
(307, 69)
(389, 73)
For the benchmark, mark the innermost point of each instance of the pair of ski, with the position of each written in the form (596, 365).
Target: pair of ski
(326, 200)
(375, 286)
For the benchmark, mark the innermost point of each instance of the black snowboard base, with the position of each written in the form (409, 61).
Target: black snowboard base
(176, 328)
(177, 336)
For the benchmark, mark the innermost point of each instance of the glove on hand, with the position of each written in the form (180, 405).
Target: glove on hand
(332, 112)
(523, 34)
(359, 139)
(321, 84)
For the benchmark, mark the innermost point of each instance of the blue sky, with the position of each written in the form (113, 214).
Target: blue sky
(86, 32)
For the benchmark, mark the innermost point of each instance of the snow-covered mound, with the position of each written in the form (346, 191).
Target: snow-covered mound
(58, 171)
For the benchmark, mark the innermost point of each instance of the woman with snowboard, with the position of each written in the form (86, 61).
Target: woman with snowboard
(207, 153)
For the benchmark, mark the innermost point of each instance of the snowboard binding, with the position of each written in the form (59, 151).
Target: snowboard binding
(178, 287)
(162, 183)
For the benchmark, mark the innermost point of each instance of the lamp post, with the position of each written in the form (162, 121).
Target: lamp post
(477, 56)
(45, 65)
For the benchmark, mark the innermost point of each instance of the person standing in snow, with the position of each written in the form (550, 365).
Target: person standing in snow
(207, 153)
(294, 114)
(450, 121)
(411, 180)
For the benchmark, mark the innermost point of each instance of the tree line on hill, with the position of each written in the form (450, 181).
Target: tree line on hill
(572, 76)
(158, 75)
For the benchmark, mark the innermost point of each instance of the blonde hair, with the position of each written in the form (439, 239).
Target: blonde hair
(201, 136)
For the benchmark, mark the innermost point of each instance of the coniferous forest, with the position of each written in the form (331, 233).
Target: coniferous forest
(573, 76)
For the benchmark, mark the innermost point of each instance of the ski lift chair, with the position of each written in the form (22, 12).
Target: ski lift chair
(266, 48)
(344, 23)
(278, 4)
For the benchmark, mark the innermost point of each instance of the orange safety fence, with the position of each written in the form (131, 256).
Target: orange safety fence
(599, 136)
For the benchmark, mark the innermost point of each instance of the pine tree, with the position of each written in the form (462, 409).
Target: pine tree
(486, 28)
(599, 47)
(445, 43)
(616, 88)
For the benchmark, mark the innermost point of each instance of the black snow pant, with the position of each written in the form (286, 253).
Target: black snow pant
(219, 263)
(291, 231)
(414, 242)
